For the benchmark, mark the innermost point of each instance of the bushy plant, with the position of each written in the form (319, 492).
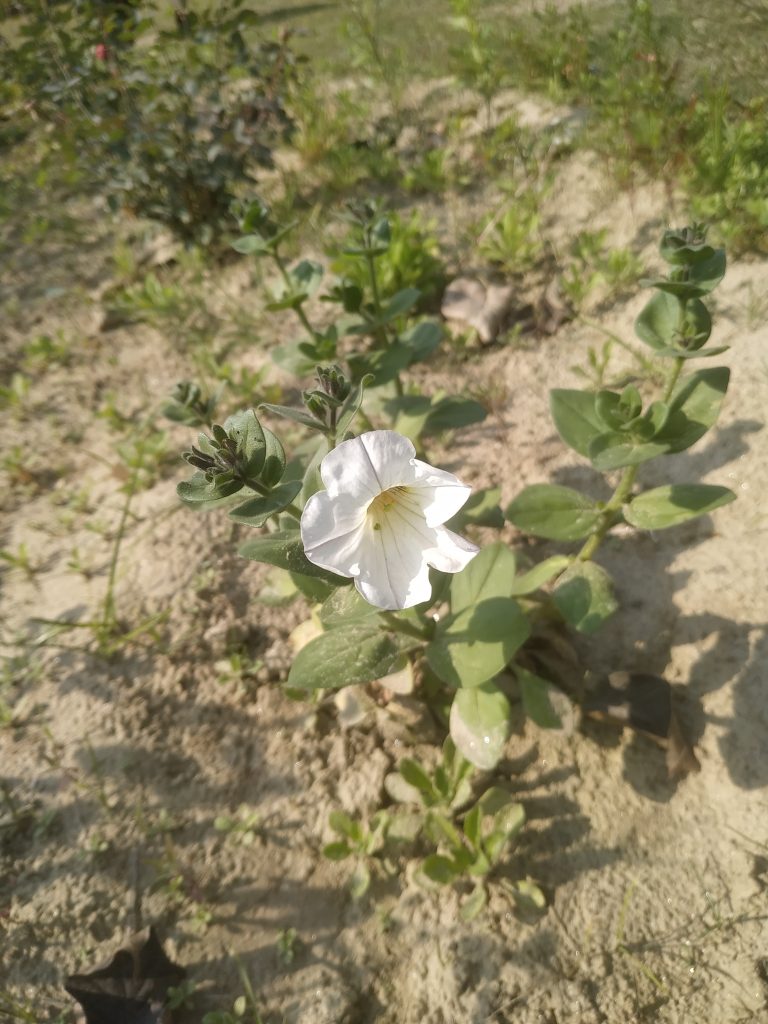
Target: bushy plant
(169, 120)
(410, 259)
(364, 527)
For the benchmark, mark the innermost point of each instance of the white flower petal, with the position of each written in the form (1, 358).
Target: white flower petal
(440, 494)
(451, 553)
(331, 532)
(380, 520)
(393, 571)
(369, 464)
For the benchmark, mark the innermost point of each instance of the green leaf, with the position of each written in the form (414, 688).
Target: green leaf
(708, 273)
(312, 480)
(303, 281)
(615, 451)
(452, 412)
(278, 588)
(441, 830)
(297, 415)
(336, 851)
(476, 644)
(472, 825)
(489, 574)
(506, 825)
(494, 800)
(198, 492)
(528, 895)
(415, 415)
(307, 276)
(659, 323)
(479, 724)
(539, 575)
(315, 590)
(421, 340)
(343, 657)
(247, 433)
(575, 418)
(474, 903)
(249, 244)
(285, 550)
(382, 364)
(415, 776)
(273, 466)
(409, 414)
(694, 408)
(536, 701)
(344, 825)
(345, 606)
(397, 306)
(481, 509)
(703, 276)
(256, 511)
(439, 869)
(701, 353)
(558, 513)
(360, 881)
(352, 404)
(584, 596)
(400, 303)
(674, 504)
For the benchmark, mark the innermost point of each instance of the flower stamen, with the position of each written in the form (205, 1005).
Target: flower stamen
(383, 502)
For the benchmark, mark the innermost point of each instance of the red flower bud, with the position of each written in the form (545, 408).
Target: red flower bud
(101, 51)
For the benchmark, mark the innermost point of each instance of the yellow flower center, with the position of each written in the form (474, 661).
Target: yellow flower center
(383, 502)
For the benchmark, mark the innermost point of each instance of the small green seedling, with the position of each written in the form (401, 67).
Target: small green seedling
(21, 560)
(359, 842)
(474, 850)
(288, 944)
(242, 827)
(245, 1009)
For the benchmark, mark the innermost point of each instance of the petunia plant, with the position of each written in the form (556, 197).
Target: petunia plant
(360, 523)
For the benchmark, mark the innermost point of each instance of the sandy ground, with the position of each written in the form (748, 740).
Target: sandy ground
(117, 768)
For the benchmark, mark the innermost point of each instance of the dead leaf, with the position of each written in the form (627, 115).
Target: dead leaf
(132, 988)
(644, 703)
(484, 307)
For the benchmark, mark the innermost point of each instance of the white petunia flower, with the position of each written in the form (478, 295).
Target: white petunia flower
(380, 519)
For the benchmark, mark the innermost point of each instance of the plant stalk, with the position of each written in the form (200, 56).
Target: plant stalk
(403, 627)
(624, 487)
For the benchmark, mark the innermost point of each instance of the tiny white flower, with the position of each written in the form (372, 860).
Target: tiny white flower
(380, 519)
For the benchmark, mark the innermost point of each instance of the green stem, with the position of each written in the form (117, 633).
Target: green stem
(291, 509)
(298, 308)
(619, 496)
(403, 627)
(371, 261)
(381, 332)
(624, 487)
(676, 370)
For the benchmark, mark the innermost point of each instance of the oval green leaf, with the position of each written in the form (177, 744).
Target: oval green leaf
(575, 418)
(476, 644)
(584, 596)
(343, 657)
(674, 504)
(557, 513)
(257, 510)
(479, 724)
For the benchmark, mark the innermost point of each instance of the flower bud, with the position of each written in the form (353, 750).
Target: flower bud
(333, 382)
